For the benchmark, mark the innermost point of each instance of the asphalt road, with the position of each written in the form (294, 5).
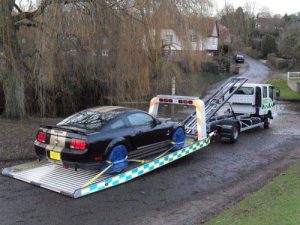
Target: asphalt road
(254, 70)
(257, 72)
(185, 192)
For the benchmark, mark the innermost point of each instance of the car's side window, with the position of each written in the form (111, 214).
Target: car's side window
(118, 124)
(138, 119)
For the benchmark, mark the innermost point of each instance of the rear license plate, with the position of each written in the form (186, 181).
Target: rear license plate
(55, 155)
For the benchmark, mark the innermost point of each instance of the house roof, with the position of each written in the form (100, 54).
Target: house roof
(204, 25)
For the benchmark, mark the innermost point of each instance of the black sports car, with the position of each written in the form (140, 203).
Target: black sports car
(90, 138)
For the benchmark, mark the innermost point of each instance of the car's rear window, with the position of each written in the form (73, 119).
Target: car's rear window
(89, 120)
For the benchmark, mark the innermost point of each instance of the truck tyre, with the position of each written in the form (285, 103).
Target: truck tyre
(266, 123)
(235, 134)
(230, 132)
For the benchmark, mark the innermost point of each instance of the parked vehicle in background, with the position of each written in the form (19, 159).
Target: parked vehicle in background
(239, 58)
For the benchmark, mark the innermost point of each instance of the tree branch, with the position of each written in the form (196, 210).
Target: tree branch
(18, 8)
(117, 4)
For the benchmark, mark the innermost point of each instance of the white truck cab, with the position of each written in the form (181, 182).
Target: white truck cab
(254, 99)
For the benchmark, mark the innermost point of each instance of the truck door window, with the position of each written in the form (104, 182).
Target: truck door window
(271, 92)
(265, 92)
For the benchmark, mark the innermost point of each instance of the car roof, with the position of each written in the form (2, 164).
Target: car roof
(106, 109)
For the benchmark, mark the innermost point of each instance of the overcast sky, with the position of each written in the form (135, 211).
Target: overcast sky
(275, 6)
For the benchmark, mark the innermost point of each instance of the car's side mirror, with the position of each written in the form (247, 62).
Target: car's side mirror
(156, 122)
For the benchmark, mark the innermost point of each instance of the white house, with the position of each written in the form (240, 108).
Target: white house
(193, 42)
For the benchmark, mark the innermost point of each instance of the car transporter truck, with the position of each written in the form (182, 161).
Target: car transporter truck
(236, 106)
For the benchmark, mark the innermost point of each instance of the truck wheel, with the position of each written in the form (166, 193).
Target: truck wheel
(117, 156)
(235, 133)
(229, 131)
(266, 123)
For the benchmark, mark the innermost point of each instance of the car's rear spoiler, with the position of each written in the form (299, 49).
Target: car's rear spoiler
(82, 132)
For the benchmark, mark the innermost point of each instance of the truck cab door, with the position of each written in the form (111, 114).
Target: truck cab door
(258, 99)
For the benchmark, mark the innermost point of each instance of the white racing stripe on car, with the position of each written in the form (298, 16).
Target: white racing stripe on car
(57, 140)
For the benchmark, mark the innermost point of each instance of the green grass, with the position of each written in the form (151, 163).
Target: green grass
(196, 84)
(285, 92)
(278, 203)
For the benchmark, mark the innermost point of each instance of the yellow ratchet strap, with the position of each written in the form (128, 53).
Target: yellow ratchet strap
(98, 175)
(142, 161)
(164, 153)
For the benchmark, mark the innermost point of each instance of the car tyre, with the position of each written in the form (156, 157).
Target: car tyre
(179, 138)
(118, 157)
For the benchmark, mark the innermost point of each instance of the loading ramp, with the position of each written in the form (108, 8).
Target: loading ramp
(72, 183)
(215, 102)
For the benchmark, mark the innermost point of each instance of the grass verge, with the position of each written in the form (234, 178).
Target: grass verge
(276, 204)
(196, 84)
(285, 92)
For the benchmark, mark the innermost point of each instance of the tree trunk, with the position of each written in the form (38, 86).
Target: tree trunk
(13, 87)
(14, 68)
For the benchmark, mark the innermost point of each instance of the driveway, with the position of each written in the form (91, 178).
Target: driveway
(188, 191)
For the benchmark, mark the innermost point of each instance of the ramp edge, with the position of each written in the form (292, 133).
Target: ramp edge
(7, 172)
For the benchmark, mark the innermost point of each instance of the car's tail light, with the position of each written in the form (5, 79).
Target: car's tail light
(41, 137)
(78, 144)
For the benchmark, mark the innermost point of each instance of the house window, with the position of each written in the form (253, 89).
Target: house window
(169, 38)
(105, 52)
(193, 38)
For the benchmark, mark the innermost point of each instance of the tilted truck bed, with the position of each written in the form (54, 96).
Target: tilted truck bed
(72, 183)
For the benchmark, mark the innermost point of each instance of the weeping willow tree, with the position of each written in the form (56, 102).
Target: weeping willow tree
(62, 56)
